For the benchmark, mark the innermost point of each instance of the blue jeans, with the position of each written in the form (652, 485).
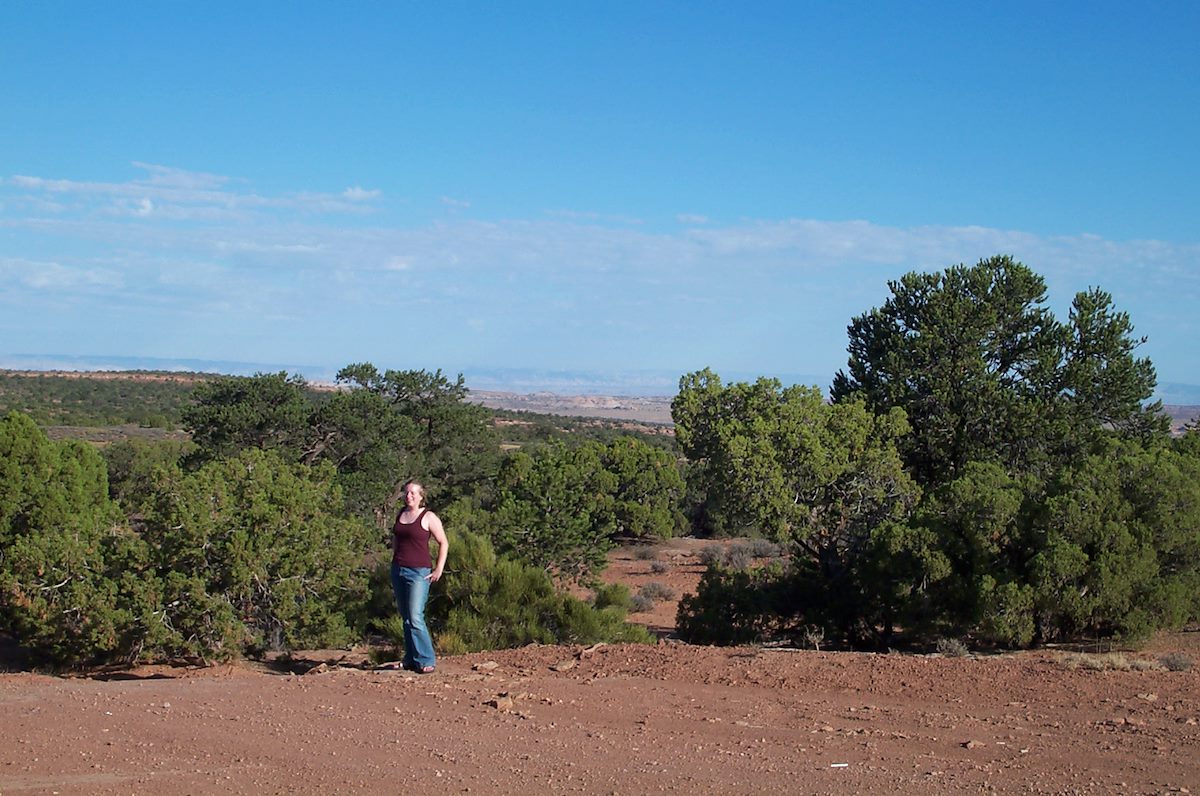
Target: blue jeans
(411, 589)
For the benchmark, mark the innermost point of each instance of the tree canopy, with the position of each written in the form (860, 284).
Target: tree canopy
(985, 372)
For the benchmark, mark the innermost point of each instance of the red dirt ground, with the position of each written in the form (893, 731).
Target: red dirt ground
(624, 719)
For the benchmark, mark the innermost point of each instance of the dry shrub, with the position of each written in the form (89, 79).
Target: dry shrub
(1176, 662)
(640, 603)
(952, 648)
(712, 555)
(645, 552)
(657, 591)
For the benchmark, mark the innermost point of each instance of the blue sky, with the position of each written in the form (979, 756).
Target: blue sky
(634, 189)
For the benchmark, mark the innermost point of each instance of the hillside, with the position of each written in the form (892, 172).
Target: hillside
(43, 392)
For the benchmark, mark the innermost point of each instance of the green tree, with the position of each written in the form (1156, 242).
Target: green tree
(269, 411)
(1103, 384)
(57, 525)
(821, 477)
(979, 543)
(649, 490)
(131, 465)
(985, 372)
(378, 430)
(253, 555)
(554, 510)
(371, 445)
(1120, 547)
(971, 354)
(701, 410)
(450, 443)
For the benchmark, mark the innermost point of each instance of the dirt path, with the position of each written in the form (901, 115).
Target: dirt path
(616, 719)
(623, 719)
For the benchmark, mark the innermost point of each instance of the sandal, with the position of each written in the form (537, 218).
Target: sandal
(426, 670)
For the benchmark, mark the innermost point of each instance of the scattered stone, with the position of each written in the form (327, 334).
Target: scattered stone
(485, 666)
(563, 666)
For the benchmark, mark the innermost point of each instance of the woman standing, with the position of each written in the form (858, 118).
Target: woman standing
(413, 572)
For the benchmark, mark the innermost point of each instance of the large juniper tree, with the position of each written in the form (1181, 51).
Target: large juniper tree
(986, 373)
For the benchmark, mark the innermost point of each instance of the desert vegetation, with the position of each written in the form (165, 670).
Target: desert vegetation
(982, 474)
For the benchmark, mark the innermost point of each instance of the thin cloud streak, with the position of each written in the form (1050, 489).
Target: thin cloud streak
(182, 195)
(246, 260)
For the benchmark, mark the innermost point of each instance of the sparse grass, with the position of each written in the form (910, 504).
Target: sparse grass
(739, 554)
(1096, 662)
(659, 567)
(1110, 661)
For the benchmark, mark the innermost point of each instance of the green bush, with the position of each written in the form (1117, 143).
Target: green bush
(253, 556)
(60, 538)
(735, 606)
(487, 601)
(613, 595)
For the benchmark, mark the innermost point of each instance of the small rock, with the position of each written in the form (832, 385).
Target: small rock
(485, 666)
(563, 666)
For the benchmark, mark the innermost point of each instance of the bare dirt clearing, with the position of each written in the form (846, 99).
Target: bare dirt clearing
(613, 719)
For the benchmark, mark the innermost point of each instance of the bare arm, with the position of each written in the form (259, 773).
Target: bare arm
(433, 524)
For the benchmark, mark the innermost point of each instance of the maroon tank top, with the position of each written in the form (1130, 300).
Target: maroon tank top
(410, 543)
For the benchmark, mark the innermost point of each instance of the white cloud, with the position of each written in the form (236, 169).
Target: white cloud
(53, 276)
(179, 195)
(202, 245)
(357, 194)
(180, 178)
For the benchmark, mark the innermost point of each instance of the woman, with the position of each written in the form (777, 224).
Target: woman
(413, 571)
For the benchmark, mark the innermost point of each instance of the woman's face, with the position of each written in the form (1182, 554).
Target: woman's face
(413, 496)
